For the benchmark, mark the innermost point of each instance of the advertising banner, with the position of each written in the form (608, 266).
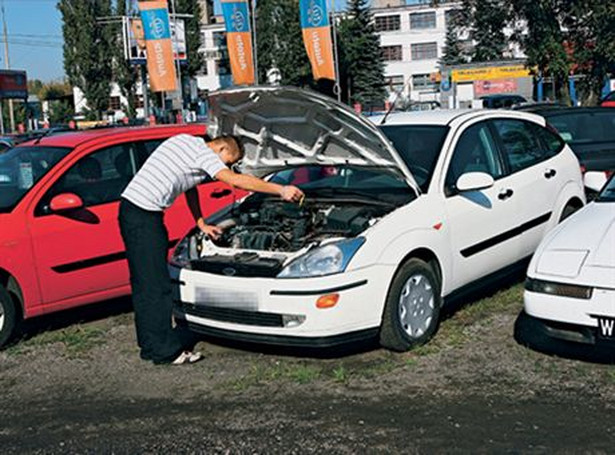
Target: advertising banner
(317, 37)
(136, 50)
(157, 33)
(495, 86)
(239, 41)
(13, 84)
(489, 73)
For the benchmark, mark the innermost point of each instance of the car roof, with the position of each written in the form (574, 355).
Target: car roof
(551, 111)
(448, 116)
(79, 137)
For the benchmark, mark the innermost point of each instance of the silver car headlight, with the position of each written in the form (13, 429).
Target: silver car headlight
(324, 260)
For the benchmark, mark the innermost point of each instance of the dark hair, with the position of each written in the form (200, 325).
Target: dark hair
(228, 138)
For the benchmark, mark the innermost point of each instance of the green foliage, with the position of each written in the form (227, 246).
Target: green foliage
(124, 74)
(280, 42)
(193, 35)
(88, 49)
(361, 62)
(486, 20)
(453, 53)
(55, 90)
(60, 112)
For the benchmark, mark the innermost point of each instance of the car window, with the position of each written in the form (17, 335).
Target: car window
(552, 144)
(584, 127)
(520, 142)
(98, 178)
(475, 151)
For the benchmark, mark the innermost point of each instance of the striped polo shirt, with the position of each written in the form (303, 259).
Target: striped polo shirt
(178, 164)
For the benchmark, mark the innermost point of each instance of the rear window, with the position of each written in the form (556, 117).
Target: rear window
(585, 127)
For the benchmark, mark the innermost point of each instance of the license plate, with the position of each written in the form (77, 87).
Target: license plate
(224, 298)
(606, 327)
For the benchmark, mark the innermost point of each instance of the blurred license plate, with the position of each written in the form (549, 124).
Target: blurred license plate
(223, 298)
(606, 327)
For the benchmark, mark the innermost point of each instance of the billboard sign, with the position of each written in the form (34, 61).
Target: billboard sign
(13, 84)
(239, 40)
(487, 73)
(136, 51)
(495, 86)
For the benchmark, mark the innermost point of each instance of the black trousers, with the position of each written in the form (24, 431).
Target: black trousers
(147, 241)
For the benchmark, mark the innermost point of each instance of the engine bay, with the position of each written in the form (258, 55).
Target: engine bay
(274, 225)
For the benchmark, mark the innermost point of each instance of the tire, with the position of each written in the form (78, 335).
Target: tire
(568, 210)
(8, 316)
(415, 287)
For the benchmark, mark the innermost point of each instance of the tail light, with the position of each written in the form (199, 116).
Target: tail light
(583, 169)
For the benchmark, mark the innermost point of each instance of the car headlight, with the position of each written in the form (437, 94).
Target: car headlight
(560, 289)
(181, 255)
(324, 260)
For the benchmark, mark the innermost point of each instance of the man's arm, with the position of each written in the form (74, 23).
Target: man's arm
(251, 183)
(194, 204)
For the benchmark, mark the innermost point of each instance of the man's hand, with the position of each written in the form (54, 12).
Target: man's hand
(213, 232)
(291, 193)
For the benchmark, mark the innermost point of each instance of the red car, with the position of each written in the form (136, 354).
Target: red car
(609, 100)
(60, 245)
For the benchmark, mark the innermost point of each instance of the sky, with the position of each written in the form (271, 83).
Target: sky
(35, 37)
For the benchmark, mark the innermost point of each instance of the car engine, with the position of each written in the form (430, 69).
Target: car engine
(274, 225)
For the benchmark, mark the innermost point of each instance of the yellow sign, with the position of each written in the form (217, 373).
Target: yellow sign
(490, 72)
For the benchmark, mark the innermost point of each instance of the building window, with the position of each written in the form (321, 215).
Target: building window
(387, 23)
(423, 82)
(391, 53)
(115, 104)
(394, 83)
(139, 102)
(219, 39)
(423, 20)
(424, 51)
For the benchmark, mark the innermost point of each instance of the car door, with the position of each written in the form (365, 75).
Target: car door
(80, 252)
(481, 223)
(535, 174)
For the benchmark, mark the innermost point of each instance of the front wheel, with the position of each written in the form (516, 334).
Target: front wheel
(8, 316)
(412, 310)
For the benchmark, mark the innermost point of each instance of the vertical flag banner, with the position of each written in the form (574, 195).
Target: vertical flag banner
(317, 37)
(157, 31)
(239, 40)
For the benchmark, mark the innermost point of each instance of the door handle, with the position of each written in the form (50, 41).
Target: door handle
(505, 194)
(549, 173)
(219, 193)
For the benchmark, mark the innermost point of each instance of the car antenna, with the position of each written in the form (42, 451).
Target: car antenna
(38, 139)
(392, 106)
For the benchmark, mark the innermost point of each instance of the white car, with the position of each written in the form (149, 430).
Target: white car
(400, 213)
(570, 288)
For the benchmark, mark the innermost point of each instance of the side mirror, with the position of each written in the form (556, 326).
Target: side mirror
(472, 181)
(594, 180)
(65, 201)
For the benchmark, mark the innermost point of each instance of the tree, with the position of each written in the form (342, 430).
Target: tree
(453, 53)
(486, 20)
(193, 35)
(361, 62)
(280, 42)
(88, 50)
(543, 38)
(591, 26)
(125, 74)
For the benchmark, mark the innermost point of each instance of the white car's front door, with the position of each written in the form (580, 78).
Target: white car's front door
(481, 223)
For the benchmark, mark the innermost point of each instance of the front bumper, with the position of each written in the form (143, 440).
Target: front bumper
(284, 311)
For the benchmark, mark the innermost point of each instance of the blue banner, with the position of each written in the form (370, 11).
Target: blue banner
(313, 13)
(236, 17)
(156, 24)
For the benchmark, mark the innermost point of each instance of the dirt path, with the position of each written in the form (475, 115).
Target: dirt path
(80, 388)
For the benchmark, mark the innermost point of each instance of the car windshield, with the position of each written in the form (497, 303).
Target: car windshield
(419, 146)
(608, 192)
(584, 127)
(347, 181)
(21, 168)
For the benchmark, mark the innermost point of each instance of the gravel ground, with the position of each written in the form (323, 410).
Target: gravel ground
(75, 384)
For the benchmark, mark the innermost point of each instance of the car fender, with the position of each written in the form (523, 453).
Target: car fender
(569, 191)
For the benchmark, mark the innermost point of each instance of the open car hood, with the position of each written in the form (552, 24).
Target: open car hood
(286, 126)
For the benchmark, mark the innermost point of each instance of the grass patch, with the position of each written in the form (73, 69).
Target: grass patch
(300, 373)
(76, 339)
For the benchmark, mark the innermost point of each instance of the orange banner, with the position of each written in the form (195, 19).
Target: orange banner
(320, 51)
(239, 40)
(157, 31)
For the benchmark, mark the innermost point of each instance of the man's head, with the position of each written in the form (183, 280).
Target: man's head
(229, 148)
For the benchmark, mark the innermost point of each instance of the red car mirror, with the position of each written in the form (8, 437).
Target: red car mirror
(65, 201)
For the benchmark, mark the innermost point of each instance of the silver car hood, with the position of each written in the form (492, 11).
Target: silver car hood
(286, 126)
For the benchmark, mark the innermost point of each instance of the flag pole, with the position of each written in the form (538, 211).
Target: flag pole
(336, 87)
(254, 45)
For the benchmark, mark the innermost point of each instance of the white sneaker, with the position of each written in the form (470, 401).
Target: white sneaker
(187, 357)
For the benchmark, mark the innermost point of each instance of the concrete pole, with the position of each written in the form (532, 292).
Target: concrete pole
(7, 65)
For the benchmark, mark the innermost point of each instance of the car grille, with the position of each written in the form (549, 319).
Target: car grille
(232, 315)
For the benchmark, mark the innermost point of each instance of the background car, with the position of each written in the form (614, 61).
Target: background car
(60, 245)
(590, 132)
(609, 100)
(501, 101)
(569, 294)
(400, 215)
